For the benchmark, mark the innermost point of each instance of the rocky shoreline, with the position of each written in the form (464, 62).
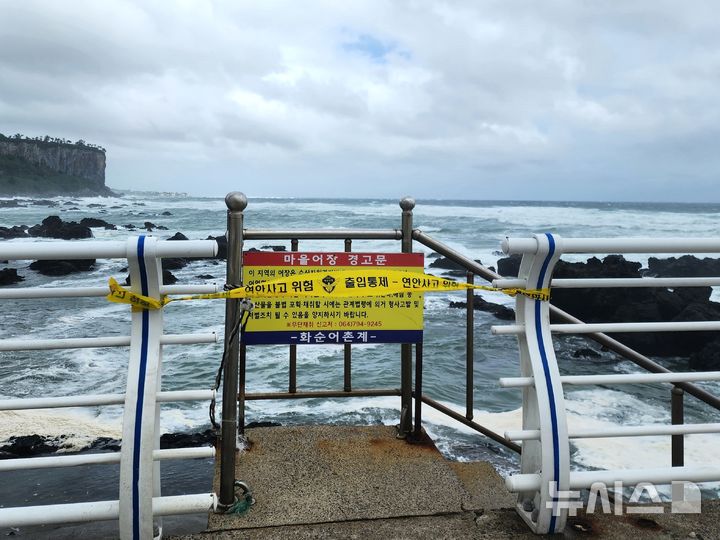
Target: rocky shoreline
(634, 304)
(34, 445)
(38, 445)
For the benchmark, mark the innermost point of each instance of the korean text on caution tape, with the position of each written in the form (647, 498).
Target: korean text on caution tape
(338, 283)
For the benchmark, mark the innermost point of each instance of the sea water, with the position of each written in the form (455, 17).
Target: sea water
(474, 228)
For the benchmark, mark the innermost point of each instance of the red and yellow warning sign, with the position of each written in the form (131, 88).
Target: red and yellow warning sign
(299, 317)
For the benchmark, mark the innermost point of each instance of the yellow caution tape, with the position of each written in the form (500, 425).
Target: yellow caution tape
(340, 283)
(121, 295)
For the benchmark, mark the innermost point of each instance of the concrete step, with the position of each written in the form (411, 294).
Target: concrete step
(320, 474)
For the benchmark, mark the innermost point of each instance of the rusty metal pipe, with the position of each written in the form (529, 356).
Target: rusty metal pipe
(474, 425)
(347, 348)
(372, 392)
(677, 416)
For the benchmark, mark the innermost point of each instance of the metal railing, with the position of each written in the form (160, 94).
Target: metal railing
(235, 370)
(140, 504)
(543, 460)
(545, 479)
(234, 375)
(411, 417)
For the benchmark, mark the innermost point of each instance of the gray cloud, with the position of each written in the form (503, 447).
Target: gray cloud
(491, 99)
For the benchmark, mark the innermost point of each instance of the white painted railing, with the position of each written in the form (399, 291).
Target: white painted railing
(545, 477)
(140, 501)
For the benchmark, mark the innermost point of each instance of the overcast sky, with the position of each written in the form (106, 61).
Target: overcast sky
(551, 100)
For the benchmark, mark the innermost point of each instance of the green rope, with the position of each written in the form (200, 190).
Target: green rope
(242, 502)
(241, 505)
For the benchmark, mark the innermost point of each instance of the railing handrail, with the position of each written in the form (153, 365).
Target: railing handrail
(603, 339)
(585, 479)
(27, 516)
(610, 283)
(620, 431)
(618, 245)
(140, 500)
(95, 400)
(545, 465)
(28, 293)
(618, 378)
(322, 234)
(54, 462)
(100, 249)
(593, 328)
(89, 343)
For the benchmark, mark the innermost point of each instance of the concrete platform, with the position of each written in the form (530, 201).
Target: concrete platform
(363, 482)
(318, 474)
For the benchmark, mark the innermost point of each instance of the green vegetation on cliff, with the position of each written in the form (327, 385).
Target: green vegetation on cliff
(50, 166)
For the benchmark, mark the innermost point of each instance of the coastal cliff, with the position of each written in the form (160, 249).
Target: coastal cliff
(50, 166)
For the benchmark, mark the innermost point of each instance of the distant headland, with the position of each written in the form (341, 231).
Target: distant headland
(49, 166)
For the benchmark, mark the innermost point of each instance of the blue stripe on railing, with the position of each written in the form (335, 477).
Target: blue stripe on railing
(548, 380)
(140, 391)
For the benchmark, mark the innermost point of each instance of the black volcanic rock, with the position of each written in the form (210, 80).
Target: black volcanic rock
(479, 304)
(173, 263)
(35, 445)
(167, 279)
(9, 276)
(274, 248)
(222, 246)
(184, 440)
(452, 267)
(54, 227)
(95, 222)
(12, 203)
(44, 202)
(638, 304)
(685, 266)
(509, 266)
(29, 445)
(263, 423)
(62, 267)
(104, 444)
(13, 232)
(150, 226)
(586, 352)
(707, 358)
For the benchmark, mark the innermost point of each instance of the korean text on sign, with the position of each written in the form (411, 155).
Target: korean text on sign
(396, 318)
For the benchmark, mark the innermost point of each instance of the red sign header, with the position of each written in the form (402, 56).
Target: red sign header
(357, 260)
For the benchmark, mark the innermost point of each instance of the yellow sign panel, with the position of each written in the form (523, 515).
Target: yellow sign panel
(396, 318)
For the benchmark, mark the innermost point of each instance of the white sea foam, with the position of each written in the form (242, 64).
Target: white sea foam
(77, 429)
(584, 411)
